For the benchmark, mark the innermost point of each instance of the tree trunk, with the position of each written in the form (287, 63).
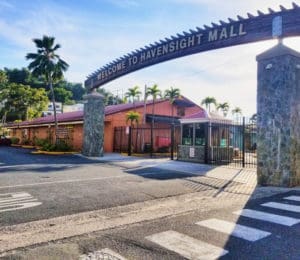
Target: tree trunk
(54, 111)
(152, 126)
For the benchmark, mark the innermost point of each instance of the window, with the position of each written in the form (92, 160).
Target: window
(200, 134)
(187, 134)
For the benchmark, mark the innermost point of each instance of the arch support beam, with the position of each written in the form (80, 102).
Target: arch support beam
(93, 127)
(278, 117)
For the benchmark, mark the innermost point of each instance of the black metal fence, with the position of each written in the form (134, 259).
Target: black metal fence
(232, 144)
(131, 140)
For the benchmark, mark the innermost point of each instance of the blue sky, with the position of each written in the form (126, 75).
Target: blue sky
(95, 32)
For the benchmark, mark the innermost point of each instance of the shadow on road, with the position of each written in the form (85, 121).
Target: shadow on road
(14, 159)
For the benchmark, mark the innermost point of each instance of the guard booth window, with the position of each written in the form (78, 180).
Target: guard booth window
(187, 134)
(200, 134)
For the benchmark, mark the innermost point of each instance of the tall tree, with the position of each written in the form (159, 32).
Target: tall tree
(47, 63)
(253, 118)
(133, 93)
(77, 90)
(19, 76)
(208, 101)
(62, 95)
(172, 94)
(133, 117)
(154, 92)
(224, 107)
(23, 102)
(236, 111)
(3, 79)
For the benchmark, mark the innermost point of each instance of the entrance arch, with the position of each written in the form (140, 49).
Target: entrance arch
(285, 23)
(281, 24)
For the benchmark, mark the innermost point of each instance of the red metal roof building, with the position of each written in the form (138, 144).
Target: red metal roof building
(115, 116)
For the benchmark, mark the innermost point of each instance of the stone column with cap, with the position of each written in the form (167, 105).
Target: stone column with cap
(93, 128)
(278, 117)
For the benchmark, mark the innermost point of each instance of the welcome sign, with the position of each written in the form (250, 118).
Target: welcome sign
(285, 23)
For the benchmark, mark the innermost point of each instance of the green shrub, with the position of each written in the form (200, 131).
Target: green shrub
(40, 142)
(60, 146)
(46, 145)
(15, 140)
(26, 142)
(63, 146)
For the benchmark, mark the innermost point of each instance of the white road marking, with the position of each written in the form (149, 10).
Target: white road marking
(282, 206)
(16, 201)
(294, 198)
(105, 253)
(186, 246)
(282, 220)
(247, 233)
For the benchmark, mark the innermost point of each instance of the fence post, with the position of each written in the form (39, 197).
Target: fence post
(129, 141)
(243, 143)
(172, 142)
(206, 144)
(151, 139)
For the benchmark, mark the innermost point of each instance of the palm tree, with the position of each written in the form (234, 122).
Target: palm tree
(224, 107)
(208, 101)
(172, 94)
(133, 93)
(48, 64)
(236, 111)
(132, 116)
(154, 91)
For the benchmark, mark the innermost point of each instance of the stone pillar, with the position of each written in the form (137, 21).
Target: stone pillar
(278, 117)
(93, 128)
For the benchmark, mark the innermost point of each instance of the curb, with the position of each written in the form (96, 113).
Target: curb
(52, 153)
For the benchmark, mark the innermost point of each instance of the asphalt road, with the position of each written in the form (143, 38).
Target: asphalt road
(71, 184)
(138, 241)
(37, 187)
(282, 242)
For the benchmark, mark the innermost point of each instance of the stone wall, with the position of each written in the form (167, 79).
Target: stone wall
(184, 153)
(220, 154)
(93, 128)
(278, 117)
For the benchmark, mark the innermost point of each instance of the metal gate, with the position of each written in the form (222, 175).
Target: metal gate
(231, 144)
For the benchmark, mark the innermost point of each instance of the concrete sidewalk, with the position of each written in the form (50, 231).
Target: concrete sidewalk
(245, 176)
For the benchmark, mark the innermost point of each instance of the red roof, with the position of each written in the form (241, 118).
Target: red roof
(200, 114)
(78, 115)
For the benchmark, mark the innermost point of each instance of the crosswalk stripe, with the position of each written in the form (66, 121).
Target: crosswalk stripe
(186, 246)
(240, 231)
(16, 201)
(282, 220)
(282, 206)
(3, 205)
(294, 198)
(20, 206)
